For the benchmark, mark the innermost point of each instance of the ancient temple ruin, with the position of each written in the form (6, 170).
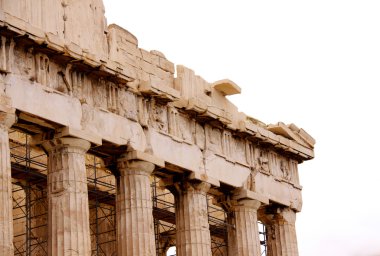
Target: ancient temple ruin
(109, 149)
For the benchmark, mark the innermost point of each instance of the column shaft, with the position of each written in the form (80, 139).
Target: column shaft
(68, 227)
(243, 234)
(192, 226)
(281, 233)
(134, 216)
(6, 215)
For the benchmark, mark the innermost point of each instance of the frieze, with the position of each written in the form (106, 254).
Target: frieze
(95, 89)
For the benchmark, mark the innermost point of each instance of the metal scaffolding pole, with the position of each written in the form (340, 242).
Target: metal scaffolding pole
(29, 175)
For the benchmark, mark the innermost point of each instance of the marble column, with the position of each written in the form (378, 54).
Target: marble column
(243, 233)
(68, 210)
(6, 214)
(134, 216)
(281, 233)
(192, 226)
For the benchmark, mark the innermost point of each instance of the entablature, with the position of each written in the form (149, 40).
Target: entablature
(126, 97)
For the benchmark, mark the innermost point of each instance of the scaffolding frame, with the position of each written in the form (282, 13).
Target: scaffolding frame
(29, 176)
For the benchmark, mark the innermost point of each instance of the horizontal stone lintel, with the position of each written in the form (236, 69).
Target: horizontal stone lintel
(126, 74)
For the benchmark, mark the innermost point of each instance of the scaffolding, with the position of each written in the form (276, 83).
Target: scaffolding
(30, 206)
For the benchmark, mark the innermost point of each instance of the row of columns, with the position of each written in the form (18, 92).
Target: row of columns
(68, 227)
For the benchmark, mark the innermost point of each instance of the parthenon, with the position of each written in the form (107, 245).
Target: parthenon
(110, 149)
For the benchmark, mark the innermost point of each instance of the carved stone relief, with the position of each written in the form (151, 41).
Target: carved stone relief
(29, 68)
(127, 104)
(284, 167)
(158, 116)
(214, 139)
(173, 122)
(238, 151)
(42, 68)
(77, 83)
(186, 128)
(142, 111)
(227, 144)
(112, 97)
(99, 93)
(293, 166)
(6, 54)
(263, 162)
(200, 137)
(180, 126)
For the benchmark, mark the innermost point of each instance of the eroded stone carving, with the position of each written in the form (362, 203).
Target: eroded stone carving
(263, 162)
(112, 97)
(227, 144)
(128, 104)
(284, 166)
(173, 120)
(6, 54)
(100, 93)
(42, 68)
(159, 116)
(214, 139)
(200, 136)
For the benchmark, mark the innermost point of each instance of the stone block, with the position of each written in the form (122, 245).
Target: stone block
(73, 50)
(242, 193)
(115, 30)
(80, 134)
(147, 56)
(166, 65)
(157, 53)
(203, 177)
(226, 86)
(55, 42)
(138, 155)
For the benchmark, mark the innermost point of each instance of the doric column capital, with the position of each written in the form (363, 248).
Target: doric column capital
(246, 203)
(126, 165)
(186, 185)
(7, 120)
(67, 142)
(277, 214)
(194, 185)
(286, 215)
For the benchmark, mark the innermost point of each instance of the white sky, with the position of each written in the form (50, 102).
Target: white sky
(314, 63)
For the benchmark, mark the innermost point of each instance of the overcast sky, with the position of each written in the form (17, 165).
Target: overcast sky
(313, 63)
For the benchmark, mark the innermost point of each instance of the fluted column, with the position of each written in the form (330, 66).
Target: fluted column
(68, 211)
(6, 215)
(281, 233)
(192, 227)
(134, 216)
(243, 233)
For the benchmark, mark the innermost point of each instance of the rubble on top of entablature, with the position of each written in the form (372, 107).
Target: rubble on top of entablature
(112, 73)
(292, 132)
(226, 87)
